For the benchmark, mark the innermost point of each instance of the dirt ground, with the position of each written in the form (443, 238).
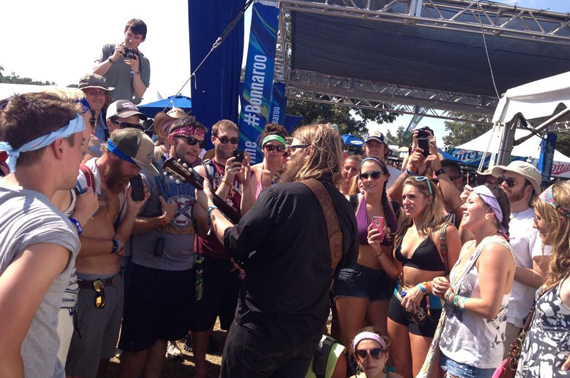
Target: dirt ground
(183, 367)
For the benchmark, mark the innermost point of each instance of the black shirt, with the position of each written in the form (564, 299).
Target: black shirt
(283, 240)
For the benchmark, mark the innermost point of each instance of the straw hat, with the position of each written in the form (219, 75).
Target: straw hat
(161, 118)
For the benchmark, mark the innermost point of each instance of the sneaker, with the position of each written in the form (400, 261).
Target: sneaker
(188, 343)
(172, 351)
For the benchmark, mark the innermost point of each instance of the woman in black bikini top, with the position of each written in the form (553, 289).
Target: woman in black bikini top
(418, 254)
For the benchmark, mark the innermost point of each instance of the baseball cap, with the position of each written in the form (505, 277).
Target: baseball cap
(94, 81)
(161, 118)
(123, 109)
(377, 136)
(138, 146)
(523, 168)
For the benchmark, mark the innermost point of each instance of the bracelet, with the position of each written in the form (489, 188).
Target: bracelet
(449, 295)
(440, 171)
(227, 183)
(77, 225)
(456, 300)
(462, 303)
(422, 288)
(135, 73)
(209, 211)
(111, 60)
(379, 254)
(410, 172)
(163, 221)
(117, 246)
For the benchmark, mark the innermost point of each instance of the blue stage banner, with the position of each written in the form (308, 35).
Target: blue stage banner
(547, 148)
(278, 104)
(258, 83)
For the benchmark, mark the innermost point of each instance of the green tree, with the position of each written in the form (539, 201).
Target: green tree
(399, 139)
(462, 132)
(349, 120)
(16, 79)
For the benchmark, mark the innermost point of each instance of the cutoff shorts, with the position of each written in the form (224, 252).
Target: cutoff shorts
(362, 282)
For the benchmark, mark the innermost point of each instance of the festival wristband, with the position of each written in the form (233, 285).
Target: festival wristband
(117, 246)
(409, 172)
(422, 288)
(77, 225)
(209, 211)
(462, 303)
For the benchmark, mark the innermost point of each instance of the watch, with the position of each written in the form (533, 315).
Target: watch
(440, 172)
(110, 60)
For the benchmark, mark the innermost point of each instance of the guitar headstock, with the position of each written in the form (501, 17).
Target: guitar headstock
(182, 172)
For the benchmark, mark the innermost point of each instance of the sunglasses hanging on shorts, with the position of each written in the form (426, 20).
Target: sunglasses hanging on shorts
(374, 175)
(192, 141)
(100, 293)
(375, 353)
(271, 147)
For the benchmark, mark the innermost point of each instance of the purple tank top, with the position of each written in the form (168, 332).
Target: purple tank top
(363, 222)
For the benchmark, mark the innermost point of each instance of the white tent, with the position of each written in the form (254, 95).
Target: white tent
(537, 99)
(530, 149)
(7, 89)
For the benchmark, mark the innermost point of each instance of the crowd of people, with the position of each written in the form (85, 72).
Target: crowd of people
(113, 241)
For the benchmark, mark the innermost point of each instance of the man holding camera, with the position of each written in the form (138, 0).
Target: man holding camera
(100, 301)
(124, 66)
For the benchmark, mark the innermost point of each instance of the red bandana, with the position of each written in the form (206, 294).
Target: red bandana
(189, 130)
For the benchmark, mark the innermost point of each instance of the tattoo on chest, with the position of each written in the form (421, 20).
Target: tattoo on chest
(103, 202)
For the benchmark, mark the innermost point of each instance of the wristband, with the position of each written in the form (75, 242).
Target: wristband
(163, 221)
(440, 172)
(208, 212)
(135, 73)
(111, 60)
(116, 246)
(462, 303)
(422, 288)
(456, 300)
(377, 255)
(227, 183)
(410, 172)
(449, 296)
(77, 225)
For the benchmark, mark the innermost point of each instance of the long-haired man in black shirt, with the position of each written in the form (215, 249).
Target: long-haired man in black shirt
(283, 243)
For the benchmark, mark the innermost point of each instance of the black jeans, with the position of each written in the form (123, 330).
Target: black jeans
(249, 353)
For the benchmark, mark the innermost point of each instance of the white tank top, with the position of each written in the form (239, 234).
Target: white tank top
(468, 338)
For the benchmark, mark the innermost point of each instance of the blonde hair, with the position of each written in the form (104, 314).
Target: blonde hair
(326, 156)
(557, 233)
(67, 94)
(224, 124)
(432, 216)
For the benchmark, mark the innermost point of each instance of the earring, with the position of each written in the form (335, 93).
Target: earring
(487, 216)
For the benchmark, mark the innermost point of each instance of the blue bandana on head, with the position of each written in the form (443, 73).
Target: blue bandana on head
(115, 150)
(76, 125)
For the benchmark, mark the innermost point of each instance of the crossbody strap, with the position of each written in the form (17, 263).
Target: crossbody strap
(333, 226)
(89, 176)
(443, 246)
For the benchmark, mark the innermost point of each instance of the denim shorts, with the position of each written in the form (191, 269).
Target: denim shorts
(362, 282)
(458, 369)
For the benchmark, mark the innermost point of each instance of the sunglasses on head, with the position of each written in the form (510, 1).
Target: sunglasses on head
(271, 147)
(375, 353)
(191, 141)
(375, 175)
(225, 140)
(509, 180)
(423, 178)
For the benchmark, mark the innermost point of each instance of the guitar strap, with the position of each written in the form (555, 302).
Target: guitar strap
(333, 226)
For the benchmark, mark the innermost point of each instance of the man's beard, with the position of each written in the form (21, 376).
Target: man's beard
(290, 170)
(114, 178)
(516, 196)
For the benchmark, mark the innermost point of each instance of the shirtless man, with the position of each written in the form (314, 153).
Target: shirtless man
(100, 302)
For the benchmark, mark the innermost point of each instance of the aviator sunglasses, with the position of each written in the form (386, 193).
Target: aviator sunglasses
(192, 141)
(509, 180)
(375, 175)
(375, 353)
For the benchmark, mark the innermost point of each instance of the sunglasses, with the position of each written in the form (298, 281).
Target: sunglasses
(271, 147)
(375, 175)
(294, 147)
(375, 353)
(95, 92)
(225, 140)
(124, 125)
(100, 290)
(423, 178)
(509, 180)
(192, 141)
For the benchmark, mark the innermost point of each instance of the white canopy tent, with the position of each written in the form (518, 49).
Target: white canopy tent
(529, 149)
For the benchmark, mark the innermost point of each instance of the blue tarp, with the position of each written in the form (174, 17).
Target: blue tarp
(152, 108)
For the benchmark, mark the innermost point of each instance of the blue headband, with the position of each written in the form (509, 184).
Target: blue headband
(115, 150)
(76, 125)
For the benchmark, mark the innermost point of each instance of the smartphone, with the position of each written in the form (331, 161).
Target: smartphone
(423, 143)
(137, 188)
(238, 154)
(378, 224)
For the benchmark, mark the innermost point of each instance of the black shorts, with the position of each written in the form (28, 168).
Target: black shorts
(398, 314)
(158, 306)
(220, 284)
(360, 281)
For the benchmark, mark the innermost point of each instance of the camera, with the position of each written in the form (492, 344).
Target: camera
(423, 132)
(130, 53)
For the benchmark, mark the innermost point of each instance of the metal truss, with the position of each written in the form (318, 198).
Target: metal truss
(365, 94)
(462, 15)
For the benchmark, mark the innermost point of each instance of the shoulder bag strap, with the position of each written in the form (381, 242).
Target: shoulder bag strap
(89, 176)
(333, 226)
(443, 246)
